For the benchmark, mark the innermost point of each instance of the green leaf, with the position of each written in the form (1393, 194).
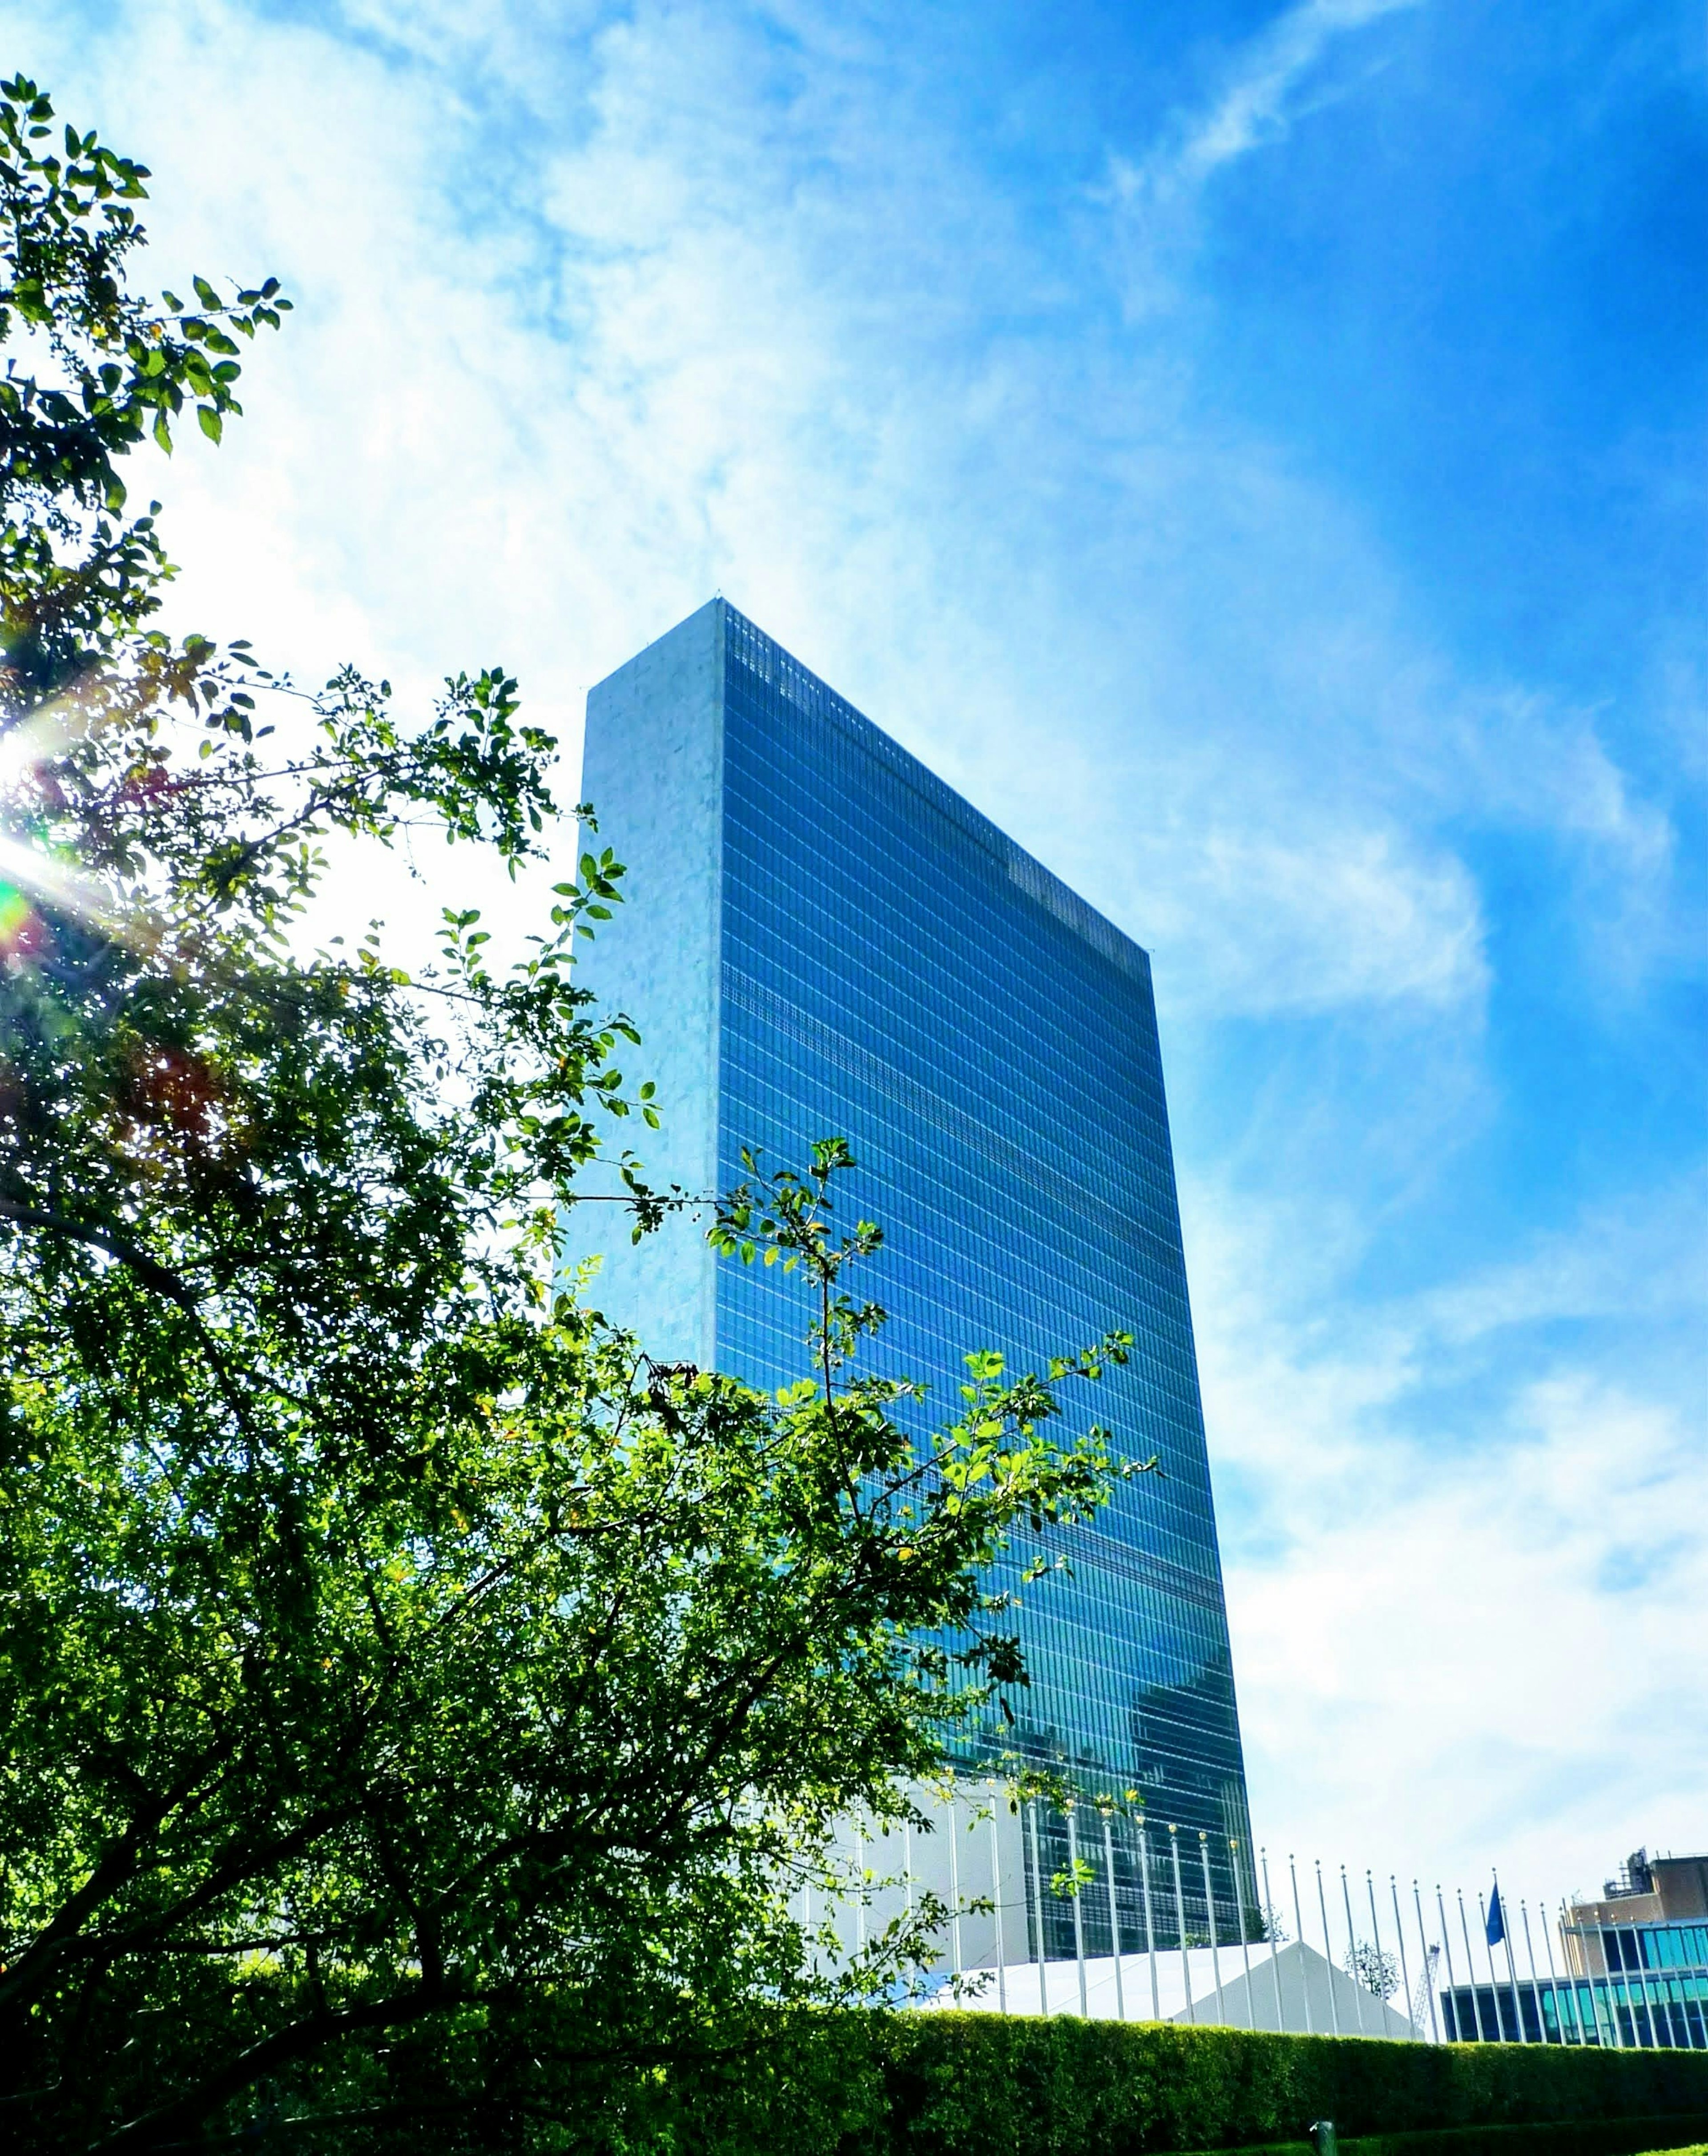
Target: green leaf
(210, 422)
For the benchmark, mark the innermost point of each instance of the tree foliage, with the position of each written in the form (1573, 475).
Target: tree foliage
(1374, 1967)
(392, 1656)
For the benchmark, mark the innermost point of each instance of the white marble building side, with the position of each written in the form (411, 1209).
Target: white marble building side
(652, 770)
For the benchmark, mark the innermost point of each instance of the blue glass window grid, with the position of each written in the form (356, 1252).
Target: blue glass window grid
(896, 973)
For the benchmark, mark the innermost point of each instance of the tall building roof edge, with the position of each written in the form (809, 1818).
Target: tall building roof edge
(780, 666)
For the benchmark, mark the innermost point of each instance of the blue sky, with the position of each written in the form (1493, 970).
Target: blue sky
(1257, 453)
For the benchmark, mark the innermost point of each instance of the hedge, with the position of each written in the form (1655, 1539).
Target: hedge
(940, 2084)
(985, 2085)
(1587, 2138)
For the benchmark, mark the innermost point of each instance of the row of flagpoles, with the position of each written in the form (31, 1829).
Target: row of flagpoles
(1171, 1890)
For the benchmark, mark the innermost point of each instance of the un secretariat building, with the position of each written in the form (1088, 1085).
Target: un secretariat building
(821, 939)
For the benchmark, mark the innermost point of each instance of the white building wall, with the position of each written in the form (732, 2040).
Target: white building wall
(652, 770)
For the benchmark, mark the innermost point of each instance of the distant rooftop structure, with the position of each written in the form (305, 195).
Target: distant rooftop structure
(1653, 1915)
(1650, 1889)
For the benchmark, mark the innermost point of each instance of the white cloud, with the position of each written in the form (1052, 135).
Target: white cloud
(1465, 1573)
(1643, 1258)
(1496, 1660)
(1256, 106)
(1272, 79)
(719, 322)
(1378, 920)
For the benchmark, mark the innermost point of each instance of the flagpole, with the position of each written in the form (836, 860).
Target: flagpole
(1381, 1958)
(1352, 1949)
(1114, 1920)
(1210, 1916)
(1659, 1991)
(1647, 1997)
(1428, 1966)
(1303, 1971)
(1244, 1929)
(1663, 1985)
(954, 1881)
(996, 1889)
(1457, 2036)
(1149, 1926)
(1586, 1979)
(1470, 1969)
(1534, 1988)
(1635, 1966)
(1328, 1952)
(1666, 2019)
(1405, 1974)
(1512, 1970)
(1608, 1977)
(1191, 2012)
(1643, 1992)
(1268, 1921)
(1608, 1993)
(1554, 1982)
(1038, 1898)
(1489, 1957)
(1078, 1913)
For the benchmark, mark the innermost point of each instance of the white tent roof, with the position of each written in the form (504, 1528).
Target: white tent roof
(1291, 1988)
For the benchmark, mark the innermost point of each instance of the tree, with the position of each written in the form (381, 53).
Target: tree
(1269, 1924)
(413, 1700)
(1378, 1971)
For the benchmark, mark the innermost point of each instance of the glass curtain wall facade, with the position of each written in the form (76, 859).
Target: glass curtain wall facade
(886, 966)
(1652, 2005)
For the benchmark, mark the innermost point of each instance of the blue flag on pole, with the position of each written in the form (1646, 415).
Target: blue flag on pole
(1497, 1922)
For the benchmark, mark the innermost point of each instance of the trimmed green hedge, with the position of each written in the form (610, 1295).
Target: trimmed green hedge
(983, 2084)
(880, 2084)
(1595, 2137)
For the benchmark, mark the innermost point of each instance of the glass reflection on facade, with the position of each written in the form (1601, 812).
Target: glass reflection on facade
(823, 939)
(1667, 2010)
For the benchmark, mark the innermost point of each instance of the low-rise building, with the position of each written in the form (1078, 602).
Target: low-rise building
(1635, 1969)
(1653, 1915)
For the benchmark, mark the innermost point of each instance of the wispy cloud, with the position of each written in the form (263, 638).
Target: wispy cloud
(727, 333)
(1269, 83)
(1258, 103)
(1493, 1656)
(1457, 1554)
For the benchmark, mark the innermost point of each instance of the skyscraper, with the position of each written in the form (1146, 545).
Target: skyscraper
(821, 939)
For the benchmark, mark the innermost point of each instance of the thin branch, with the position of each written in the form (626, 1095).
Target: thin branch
(158, 2129)
(149, 1271)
